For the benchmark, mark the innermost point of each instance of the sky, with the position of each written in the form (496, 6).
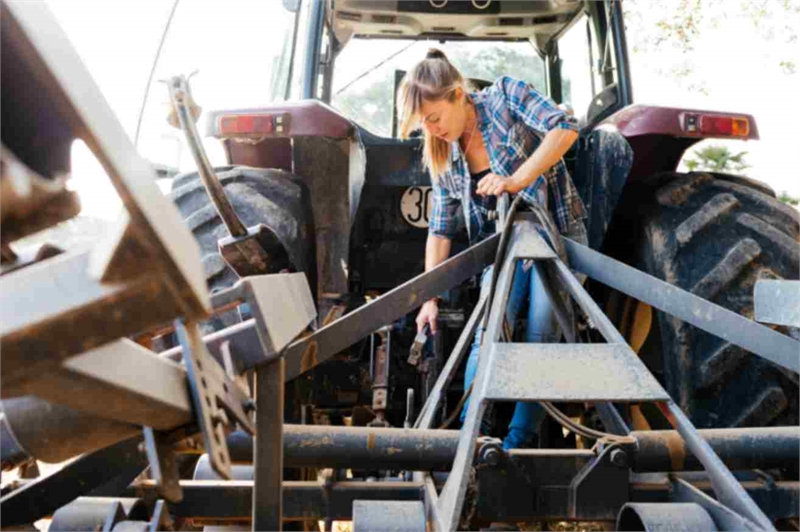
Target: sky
(734, 67)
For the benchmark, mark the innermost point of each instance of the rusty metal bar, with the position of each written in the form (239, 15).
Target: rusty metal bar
(122, 381)
(357, 447)
(726, 487)
(745, 448)
(320, 346)
(205, 500)
(268, 447)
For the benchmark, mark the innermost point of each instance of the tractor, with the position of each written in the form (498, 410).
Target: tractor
(250, 337)
(350, 201)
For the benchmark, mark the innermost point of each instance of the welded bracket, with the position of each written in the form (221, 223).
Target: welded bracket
(215, 397)
(163, 464)
(602, 483)
(252, 253)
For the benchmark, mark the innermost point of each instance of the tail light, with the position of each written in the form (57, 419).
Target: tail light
(252, 124)
(713, 125)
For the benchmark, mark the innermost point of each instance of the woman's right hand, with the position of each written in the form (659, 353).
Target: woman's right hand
(428, 314)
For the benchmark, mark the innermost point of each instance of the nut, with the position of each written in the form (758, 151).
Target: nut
(619, 458)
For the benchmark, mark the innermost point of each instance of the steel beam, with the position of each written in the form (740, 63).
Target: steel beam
(34, 428)
(97, 296)
(344, 332)
(206, 501)
(431, 406)
(122, 381)
(45, 495)
(37, 332)
(756, 338)
(268, 447)
(302, 355)
(726, 487)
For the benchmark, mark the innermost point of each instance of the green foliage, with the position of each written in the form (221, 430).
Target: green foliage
(791, 200)
(717, 159)
(678, 24)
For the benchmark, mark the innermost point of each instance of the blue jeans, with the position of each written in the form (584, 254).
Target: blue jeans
(540, 327)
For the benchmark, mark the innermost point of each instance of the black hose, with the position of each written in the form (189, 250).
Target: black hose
(498, 260)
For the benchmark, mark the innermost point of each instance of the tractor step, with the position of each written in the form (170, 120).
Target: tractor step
(568, 372)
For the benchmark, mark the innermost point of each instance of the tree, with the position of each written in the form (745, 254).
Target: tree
(653, 26)
(717, 159)
(791, 200)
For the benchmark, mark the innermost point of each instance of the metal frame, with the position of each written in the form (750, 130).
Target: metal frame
(104, 290)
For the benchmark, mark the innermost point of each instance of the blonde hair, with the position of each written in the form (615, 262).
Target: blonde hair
(432, 79)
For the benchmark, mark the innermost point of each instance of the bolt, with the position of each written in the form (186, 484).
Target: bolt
(491, 456)
(619, 458)
(249, 405)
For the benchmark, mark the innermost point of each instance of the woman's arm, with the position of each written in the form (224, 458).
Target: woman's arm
(437, 249)
(553, 147)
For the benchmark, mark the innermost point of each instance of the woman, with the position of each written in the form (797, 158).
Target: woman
(478, 145)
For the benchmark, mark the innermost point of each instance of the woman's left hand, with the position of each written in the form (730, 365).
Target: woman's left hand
(495, 185)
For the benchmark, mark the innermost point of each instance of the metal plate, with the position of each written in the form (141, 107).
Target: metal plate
(282, 305)
(778, 302)
(528, 243)
(569, 372)
(388, 516)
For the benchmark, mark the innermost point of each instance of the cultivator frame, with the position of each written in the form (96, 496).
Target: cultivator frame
(72, 384)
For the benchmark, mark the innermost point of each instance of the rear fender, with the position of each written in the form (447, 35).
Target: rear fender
(659, 136)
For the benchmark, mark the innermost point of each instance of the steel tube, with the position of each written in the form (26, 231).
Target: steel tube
(750, 448)
(268, 448)
(726, 487)
(232, 500)
(660, 517)
(418, 449)
(54, 433)
(315, 349)
(357, 447)
(307, 353)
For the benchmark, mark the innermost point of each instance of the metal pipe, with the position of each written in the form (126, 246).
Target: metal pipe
(418, 449)
(53, 433)
(621, 53)
(232, 501)
(750, 448)
(727, 489)
(357, 447)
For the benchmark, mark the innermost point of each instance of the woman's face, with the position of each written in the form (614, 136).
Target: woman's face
(444, 118)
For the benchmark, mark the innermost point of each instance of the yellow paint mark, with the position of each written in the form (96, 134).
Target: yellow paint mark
(309, 359)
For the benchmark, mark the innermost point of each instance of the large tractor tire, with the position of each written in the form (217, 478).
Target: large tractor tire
(715, 235)
(271, 197)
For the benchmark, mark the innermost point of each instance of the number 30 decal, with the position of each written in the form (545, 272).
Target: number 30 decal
(416, 205)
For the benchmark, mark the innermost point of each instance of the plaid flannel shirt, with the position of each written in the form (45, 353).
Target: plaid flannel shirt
(513, 118)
